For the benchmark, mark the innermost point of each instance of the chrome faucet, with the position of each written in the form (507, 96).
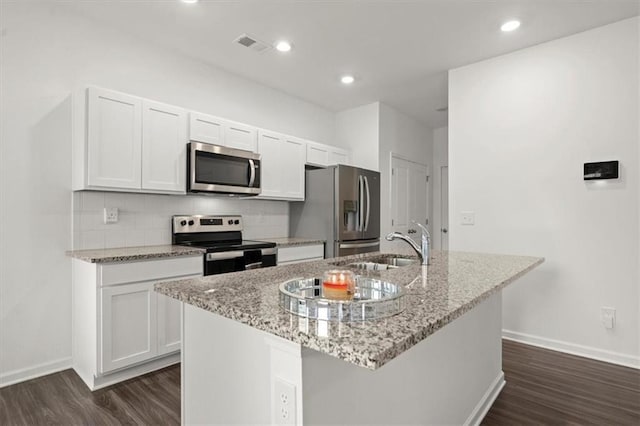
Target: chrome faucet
(423, 249)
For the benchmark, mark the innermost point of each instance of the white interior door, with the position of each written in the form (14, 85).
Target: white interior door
(409, 196)
(444, 207)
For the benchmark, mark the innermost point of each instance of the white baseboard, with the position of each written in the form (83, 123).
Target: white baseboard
(486, 402)
(574, 349)
(17, 376)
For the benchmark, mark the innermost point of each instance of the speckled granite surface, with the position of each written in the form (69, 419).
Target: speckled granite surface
(126, 254)
(453, 284)
(294, 241)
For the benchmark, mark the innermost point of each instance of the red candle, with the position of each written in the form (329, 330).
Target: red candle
(338, 285)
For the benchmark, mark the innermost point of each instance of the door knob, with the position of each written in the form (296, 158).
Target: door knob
(444, 230)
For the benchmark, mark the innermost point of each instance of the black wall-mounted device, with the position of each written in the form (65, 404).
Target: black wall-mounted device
(601, 170)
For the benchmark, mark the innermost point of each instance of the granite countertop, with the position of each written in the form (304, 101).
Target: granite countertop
(294, 241)
(126, 254)
(454, 283)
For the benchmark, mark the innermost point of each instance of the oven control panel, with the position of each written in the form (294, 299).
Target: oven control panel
(202, 223)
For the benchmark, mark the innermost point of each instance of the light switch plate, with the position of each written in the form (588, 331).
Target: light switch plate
(467, 218)
(110, 215)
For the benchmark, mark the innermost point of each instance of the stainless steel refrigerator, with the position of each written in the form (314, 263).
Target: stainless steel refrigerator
(342, 206)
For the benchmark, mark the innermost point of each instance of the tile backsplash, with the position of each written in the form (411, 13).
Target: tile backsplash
(145, 219)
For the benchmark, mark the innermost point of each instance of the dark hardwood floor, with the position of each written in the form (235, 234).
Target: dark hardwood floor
(543, 387)
(552, 388)
(64, 399)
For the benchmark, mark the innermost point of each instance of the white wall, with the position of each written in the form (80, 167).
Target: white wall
(520, 128)
(45, 54)
(410, 139)
(440, 159)
(357, 130)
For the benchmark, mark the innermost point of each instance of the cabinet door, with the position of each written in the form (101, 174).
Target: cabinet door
(129, 325)
(292, 159)
(240, 136)
(164, 142)
(317, 154)
(114, 139)
(269, 149)
(206, 128)
(169, 324)
(338, 156)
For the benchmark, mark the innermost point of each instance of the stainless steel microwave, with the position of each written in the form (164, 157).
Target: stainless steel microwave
(221, 170)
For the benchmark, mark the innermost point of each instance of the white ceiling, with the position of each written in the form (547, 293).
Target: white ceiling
(398, 50)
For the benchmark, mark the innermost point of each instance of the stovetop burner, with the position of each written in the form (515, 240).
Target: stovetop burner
(213, 233)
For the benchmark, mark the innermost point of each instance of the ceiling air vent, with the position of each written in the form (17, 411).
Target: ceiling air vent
(252, 43)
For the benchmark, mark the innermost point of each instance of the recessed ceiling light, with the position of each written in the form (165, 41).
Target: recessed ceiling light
(190, 1)
(283, 46)
(347, 79)
(510, 26)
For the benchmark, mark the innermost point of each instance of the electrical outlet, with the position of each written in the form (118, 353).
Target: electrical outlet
(608, 317)
(110, 215)
(284, 401)
(467, 218)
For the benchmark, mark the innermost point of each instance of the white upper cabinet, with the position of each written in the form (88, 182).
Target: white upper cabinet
(282, 164)
(317, 154)
(338, 156)
(240, 136)
(164, 138)
(269, 150)
(114, 136)
(206, 128)
(322, 155)
(292, 156)
(218, 131)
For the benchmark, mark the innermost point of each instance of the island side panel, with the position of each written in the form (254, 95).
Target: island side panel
(452, 377)
(228, 370)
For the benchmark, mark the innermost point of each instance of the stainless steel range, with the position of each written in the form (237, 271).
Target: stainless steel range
(221, 237)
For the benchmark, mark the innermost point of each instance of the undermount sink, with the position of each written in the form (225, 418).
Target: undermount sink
(379, 263)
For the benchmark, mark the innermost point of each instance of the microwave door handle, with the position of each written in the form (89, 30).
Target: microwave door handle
(366, 221)
(252, 172)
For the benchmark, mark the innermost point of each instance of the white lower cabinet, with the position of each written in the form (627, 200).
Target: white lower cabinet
(169, 330)
(299, 254)
(129, 325)
(122, 328)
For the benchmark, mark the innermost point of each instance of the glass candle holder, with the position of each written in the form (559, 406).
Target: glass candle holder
(338, 285)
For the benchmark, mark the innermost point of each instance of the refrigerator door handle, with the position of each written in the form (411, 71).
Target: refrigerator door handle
(360, 203)
(366, 221)
(359, 245)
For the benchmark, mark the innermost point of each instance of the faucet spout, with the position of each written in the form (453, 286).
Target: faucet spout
(422, 250)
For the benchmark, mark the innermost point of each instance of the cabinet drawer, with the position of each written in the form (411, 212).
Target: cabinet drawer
(300, 253)
(149, 270)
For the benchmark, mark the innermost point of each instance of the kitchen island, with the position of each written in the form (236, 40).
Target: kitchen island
(247, 361)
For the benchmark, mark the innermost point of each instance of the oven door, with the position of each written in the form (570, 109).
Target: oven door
(223, 262)
(218, 169)
(263, 258)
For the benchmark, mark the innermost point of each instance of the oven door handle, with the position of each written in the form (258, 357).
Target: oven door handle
(255, 265)
(252, 172)
(225, 255)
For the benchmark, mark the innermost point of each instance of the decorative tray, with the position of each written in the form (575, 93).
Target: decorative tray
(372, 299)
